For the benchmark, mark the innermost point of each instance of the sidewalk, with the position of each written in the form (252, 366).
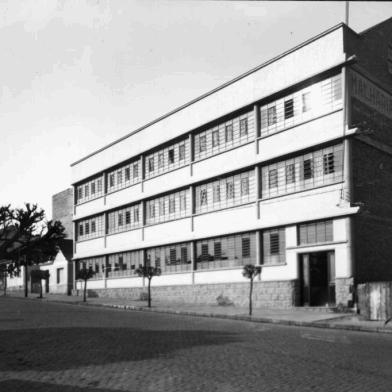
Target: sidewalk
(295, 316)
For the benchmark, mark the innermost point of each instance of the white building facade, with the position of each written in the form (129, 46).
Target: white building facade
(257, 171)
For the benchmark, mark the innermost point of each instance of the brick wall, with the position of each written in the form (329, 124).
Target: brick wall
(277, 294)
(62, 209)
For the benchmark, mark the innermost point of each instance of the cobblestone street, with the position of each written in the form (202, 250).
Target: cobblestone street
(60, 347)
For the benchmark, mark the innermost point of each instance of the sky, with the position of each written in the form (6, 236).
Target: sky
(78, 74)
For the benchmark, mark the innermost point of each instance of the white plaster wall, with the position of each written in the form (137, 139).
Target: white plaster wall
(89, 208)
(302, 136)
(124, 282)
(281, 272)
(308, 60)
(173, 279)
(231, 220)
(123, 241)
(223, 276)
(89, 247)
(174, 231)
(124, 196)
(91, 284)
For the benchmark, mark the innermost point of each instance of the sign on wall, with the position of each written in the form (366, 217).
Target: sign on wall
(370, 94)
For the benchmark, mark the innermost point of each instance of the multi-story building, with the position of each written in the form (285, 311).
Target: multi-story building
(287, 166)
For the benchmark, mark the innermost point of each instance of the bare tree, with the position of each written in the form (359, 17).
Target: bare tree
(85, 274)
(250, 271)
(147, 271)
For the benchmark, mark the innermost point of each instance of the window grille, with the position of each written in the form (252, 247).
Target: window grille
(117, 223)
(315, 232)
(171, 258)
(124, 264)
(96, 223)
(89, 191)
(224, 136)
(167, 158)
(312, 170)
(123, 177)
(167, 207)
(225, 252)
(225, 192)
(274, 246)
(307, 103)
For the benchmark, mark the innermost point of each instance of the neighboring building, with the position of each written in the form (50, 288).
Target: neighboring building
(62, 208)
(287, 166)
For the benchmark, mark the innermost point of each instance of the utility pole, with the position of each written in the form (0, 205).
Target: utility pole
(347, 12)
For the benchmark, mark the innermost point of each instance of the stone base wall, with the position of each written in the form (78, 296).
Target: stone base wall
(344, 291)
(276, 294)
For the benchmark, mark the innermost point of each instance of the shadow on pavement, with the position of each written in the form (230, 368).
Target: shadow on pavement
(64, 348)
(34, 386)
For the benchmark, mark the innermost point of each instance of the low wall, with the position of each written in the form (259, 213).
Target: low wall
(375, 300)
(277, 294)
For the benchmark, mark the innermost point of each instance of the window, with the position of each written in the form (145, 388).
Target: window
(60, 272)
(87, 228)
(136, 214)
(336, 88)
(202, 143)
(329, 165)
(229, 133)
(111, 180)
(86, 189)
(151, 164)
(152, 210)
(245, 247)
(289, 108)
(315, 232)
(273, 178)
(184, 254)
(99, 185)
(93, 226)
(229, 190)
(216, 193)
(290, 173)
(93, 188)
(127, 217)
(204, 252)
(203, 197)
(171, 156)
(162, 207)
(119, 177)
(181, 152)
(80, 229)
(120, 219)
(173, 256)
(271, 115)
(274, 243)
(161, 160)
(182, 202)
(217, 250)
(127, 174)
(244, 127)
(305, 102)
(80, 193)
(215, 138)
(135, 170)
(245, 186)
(172, 205)
(308, 169)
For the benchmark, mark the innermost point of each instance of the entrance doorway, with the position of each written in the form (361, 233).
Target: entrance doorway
(317, 276)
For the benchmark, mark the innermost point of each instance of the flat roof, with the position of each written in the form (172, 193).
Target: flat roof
(222, 86)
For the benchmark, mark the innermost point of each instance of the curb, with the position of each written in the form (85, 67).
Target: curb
(309, 324)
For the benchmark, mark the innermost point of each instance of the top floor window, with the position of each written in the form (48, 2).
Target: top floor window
(123, 176)
(89, 190)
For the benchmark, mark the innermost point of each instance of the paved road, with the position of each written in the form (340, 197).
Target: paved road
(69, 348)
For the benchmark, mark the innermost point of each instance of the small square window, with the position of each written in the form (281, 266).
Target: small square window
(202, 143)
(230, 190)
(244, 127)
(308, 169)
(203, 197)
(127, 173)
(215, 138)
(274, 243)
(181, 152)
(229, 132)
(245, 186)
(151, 164)
(329, 163)
(288, 108)
(171, 156)
(271, 115)
(273, 178)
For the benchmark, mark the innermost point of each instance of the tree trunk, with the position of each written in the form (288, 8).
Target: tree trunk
(85, 291)
(149, 293)
(25, 281)
(5, 284)
(40, 288)
(250, 297)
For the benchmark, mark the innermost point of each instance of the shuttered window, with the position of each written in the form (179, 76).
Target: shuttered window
(274, 246)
